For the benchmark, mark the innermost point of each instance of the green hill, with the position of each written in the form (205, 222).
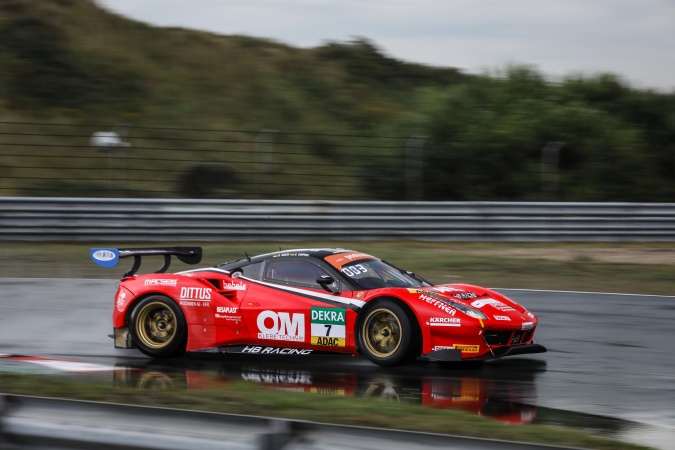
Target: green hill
(343, 110)
(72, 59)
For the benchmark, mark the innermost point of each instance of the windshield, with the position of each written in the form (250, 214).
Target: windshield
(376, 274)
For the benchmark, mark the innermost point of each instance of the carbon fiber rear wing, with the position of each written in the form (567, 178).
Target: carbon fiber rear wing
(109, 257)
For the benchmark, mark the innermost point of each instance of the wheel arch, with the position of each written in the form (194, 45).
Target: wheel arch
(176, 345)
(418, 339)
(131, 306)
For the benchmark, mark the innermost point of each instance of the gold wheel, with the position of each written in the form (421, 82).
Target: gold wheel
(154, 381)
(156, 325)
(382, 332)
(381, 388)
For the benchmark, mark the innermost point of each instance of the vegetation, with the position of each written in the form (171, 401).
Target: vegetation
(71, 62)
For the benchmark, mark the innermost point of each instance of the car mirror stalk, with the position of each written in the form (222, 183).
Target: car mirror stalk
(325, 281)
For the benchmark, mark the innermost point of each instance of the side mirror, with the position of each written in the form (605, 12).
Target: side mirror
(326, 280)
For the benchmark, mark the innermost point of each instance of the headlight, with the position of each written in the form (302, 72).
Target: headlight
(473, 313)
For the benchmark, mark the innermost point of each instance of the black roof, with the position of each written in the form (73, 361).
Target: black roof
(318, 253)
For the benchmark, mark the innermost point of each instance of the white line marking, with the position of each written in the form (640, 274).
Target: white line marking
(582, 292)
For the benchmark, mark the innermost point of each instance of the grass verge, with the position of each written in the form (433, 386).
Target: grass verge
(645, 268)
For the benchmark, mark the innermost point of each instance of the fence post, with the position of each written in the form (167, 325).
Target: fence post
(264, 158)
(414, 168)
(549, 168)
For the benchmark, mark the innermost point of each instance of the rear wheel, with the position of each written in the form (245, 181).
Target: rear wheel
(386, 334)
(158, 327)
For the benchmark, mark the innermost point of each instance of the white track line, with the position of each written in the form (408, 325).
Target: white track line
(583, 292)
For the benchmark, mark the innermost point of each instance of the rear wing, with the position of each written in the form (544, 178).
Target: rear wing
(109, 257)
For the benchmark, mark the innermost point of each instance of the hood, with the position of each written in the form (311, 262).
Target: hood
(491, 303)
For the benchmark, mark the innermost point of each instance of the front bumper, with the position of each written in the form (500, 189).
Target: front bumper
(523, 349)
(499, 352)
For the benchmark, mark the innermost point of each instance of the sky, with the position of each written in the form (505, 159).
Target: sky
(634, 39)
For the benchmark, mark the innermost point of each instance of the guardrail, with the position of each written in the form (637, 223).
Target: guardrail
(96, 219)
(50, 424)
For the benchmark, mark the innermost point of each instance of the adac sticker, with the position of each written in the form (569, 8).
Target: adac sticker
(328, 326)
(105, 257)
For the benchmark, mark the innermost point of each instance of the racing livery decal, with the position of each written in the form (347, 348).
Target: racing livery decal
(270, 350)
(432, 298)
(105, 257)
(160, 282)
(227, 313)
(193, 293)
(235, 286)
(340, 260)
(281, 326)
(188, 295)
(467, 348)
(445, 289)
(492, 302)
(328, 326)
(319, 297)
(444, 322)
(121, 300)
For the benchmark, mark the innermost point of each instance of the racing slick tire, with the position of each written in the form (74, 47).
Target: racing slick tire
(158, 328)
(386, 334)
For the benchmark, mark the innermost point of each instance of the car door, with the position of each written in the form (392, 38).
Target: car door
(288, 308)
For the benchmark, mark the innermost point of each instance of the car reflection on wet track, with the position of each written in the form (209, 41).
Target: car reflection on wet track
(505, 391)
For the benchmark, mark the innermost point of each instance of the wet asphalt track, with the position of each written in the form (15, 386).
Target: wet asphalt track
(610, 359)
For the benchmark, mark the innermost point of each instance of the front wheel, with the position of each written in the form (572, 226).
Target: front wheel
(386, 334)
(158, 327)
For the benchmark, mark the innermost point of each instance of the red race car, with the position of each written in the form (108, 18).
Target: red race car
(299, 302)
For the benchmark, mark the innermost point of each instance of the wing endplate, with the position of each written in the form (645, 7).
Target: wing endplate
(109, 257)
